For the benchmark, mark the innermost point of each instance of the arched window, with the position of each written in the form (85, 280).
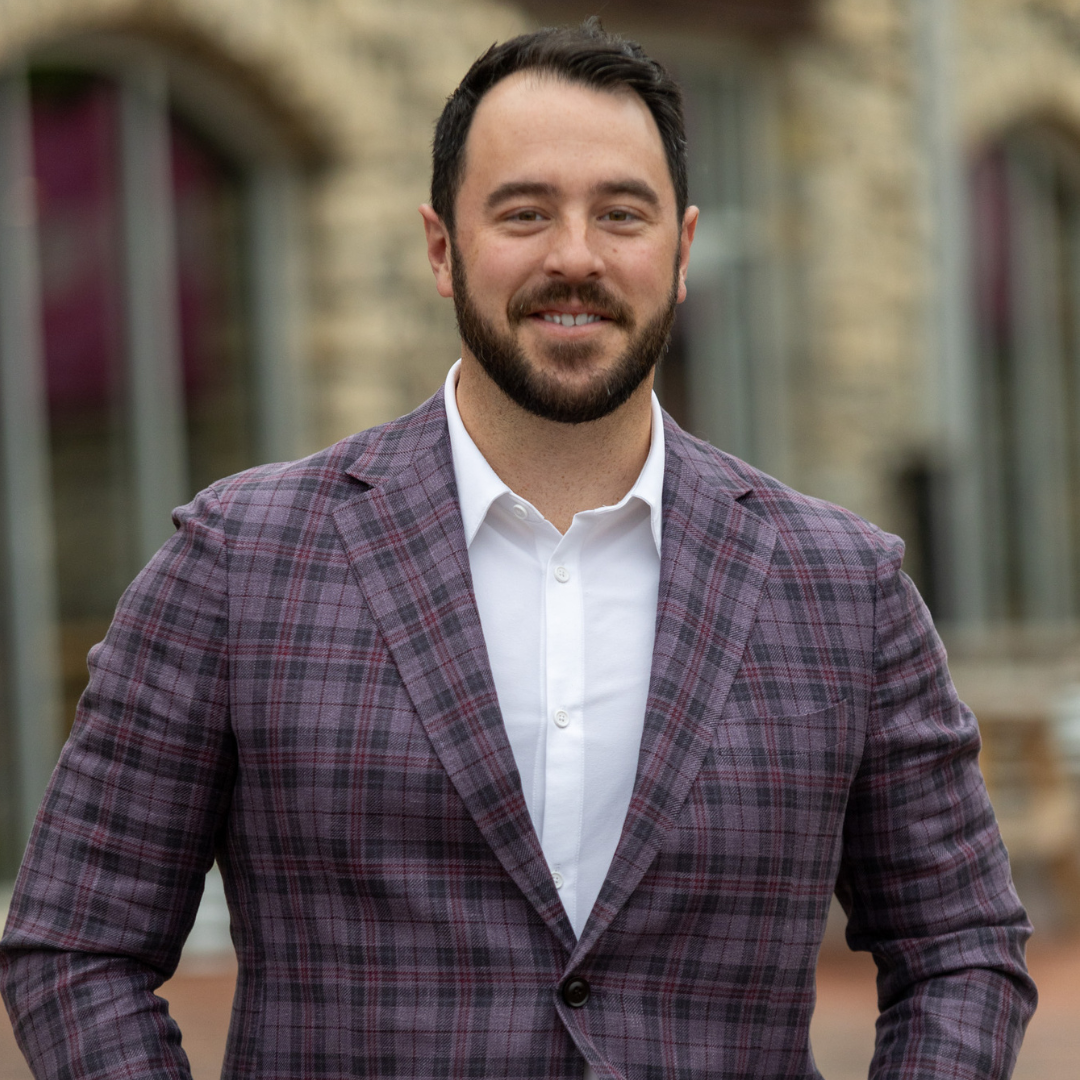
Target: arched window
(148, 338)
(1027, 273)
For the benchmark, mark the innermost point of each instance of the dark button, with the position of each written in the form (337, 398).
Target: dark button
(575, 992)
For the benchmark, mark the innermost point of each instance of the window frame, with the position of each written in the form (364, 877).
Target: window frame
(1029, 378)
(736, 373)
(152, 82)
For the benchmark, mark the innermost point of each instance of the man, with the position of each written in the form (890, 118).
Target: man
(532, 735)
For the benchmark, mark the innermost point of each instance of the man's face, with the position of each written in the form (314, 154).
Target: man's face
(565, 215)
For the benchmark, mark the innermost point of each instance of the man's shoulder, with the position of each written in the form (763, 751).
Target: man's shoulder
(323, 480)
(805, 526)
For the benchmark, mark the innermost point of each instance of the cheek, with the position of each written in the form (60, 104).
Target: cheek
(648, 283)
(642, 268)
(501, 266)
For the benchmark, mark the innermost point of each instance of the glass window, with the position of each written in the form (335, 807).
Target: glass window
(721, 378)
(144, 337)
(1027, 237)
(78, 174)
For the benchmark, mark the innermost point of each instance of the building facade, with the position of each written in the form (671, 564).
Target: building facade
(210, 256)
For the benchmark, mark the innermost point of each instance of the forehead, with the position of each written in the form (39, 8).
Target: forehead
(536, 127)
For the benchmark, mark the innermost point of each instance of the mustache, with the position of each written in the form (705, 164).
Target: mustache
(590, 294)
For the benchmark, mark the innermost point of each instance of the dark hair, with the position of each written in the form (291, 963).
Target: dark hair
(588, 55)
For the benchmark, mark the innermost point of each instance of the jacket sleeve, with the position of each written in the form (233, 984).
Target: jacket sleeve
(924, 877)
(114, 870)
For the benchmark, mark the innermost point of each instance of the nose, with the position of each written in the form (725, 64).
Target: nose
(573, 255)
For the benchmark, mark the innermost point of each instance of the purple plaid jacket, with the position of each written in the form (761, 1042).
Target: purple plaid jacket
(298, 685)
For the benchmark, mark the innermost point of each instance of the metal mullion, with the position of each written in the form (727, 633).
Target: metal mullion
(31, 607)
(738, 390)
(768, 322)
(155, 400)
(716, 373)
(704, 374)
(275, 304)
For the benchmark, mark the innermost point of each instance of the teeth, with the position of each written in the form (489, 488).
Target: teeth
(572, 320)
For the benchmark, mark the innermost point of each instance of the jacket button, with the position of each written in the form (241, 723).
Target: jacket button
(575, 992)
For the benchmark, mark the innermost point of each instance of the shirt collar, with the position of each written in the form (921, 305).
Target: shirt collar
(479, 485)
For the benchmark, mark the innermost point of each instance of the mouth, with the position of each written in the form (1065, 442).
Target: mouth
(573, 310)
(570, 318)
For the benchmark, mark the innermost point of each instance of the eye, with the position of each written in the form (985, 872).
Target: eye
(620, 216)
(525, 216)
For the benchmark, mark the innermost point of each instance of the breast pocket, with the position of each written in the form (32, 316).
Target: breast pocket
(759, 837)
(764, 747)
(778, 785)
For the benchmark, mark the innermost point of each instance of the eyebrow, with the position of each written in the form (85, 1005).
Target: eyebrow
(517, 189)
(638, 189)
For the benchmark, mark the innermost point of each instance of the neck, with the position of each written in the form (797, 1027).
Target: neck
(560, 468)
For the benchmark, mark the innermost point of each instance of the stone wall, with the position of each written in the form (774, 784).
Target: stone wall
(854, 167)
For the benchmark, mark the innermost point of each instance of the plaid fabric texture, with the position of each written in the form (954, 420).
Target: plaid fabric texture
(298, 685)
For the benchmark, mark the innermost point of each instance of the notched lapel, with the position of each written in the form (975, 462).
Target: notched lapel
(715, 558)
(406, 545)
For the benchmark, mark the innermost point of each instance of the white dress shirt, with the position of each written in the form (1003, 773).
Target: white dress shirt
(569, 622)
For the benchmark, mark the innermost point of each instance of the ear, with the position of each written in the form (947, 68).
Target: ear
(686, 238)
(438, 250)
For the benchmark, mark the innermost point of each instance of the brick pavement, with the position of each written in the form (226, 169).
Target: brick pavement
(842, 1032)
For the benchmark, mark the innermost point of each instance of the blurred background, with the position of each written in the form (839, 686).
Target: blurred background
(210, 257)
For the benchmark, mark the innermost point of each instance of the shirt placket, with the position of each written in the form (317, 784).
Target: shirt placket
(564, 698)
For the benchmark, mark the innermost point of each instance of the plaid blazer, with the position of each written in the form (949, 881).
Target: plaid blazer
(298, 685)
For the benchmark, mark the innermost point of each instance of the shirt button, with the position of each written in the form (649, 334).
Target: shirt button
(557, 878)
(520, 512)
(562, 574)
(562, 718)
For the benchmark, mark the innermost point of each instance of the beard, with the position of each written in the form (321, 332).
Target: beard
(540, 392)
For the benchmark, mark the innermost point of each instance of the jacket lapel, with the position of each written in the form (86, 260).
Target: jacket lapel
(405, 541)
(715, 557)
(406, 544)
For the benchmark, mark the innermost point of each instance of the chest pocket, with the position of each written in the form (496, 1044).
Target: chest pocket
(771, 796)
(823, 741)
